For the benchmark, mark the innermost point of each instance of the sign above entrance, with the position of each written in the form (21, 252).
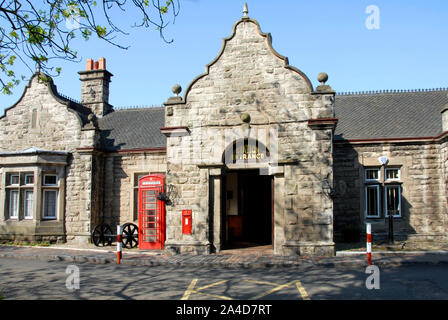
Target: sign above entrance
(247, 150)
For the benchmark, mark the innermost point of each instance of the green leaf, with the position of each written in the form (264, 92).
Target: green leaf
(101, 31)
(11, 60)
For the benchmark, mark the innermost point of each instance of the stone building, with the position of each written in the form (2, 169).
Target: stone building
(251, 150)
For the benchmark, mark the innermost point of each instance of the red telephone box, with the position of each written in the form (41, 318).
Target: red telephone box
(151, 212)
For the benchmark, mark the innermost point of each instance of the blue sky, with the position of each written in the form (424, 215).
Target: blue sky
(408, 51)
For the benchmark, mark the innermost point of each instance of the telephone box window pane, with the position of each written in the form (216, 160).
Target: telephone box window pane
(28, 204)
(14, 204)
(372, 201)
(50, 203)
(150, 193)
(150, 206)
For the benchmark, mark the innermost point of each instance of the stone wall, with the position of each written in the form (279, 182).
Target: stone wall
(249, 77)
(54, 128)
(423, 179)
(121, 172)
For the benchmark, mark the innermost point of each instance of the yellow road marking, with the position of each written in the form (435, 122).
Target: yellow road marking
(189, 290)
(279, 287)
(211, 285)
(302, 291)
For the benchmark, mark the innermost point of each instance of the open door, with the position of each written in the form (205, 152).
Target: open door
(151, 213)
(248, 203)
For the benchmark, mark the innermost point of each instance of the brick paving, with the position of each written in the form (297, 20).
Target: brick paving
(262, 258)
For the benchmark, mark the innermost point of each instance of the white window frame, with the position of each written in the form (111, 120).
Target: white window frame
(18, 179)
(13, 214)
(393, 179)
(378, 170)
(44, 216)
(25, 207)
(399, 200)
(377, 187)
(50, 185)
(26, 176)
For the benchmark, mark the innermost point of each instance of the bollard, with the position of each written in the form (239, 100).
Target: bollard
(118, 244)
(369, 244)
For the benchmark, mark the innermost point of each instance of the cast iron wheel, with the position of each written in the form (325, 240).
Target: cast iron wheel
(129, 237)
(102, 235)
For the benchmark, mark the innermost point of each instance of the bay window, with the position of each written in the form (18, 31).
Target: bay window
(28, 201)
(32, 188)
(13, 204)
(50, 204)
(23, 189)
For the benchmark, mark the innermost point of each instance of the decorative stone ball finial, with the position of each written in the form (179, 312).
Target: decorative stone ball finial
(323, 88)
(245, 117)
(176, 89)
(322, 78)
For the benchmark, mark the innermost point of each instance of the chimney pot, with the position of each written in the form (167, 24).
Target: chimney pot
(96, 65)
(89, 64)
(102, 64)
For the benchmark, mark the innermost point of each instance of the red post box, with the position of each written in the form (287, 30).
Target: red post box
(186, 221)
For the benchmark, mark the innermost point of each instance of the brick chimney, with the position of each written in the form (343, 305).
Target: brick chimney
(95, 87)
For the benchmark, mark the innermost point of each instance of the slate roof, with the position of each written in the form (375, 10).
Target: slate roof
(408, 114)
(390, 114)
(133, 129)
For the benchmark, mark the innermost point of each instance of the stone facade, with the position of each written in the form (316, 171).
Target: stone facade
(66, 167)
(422, 181)
(43, 120)
(249, 77)
(121, 183)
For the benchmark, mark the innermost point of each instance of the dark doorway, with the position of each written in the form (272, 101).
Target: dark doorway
(251, 225)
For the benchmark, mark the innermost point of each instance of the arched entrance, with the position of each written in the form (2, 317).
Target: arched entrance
(247, 198)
